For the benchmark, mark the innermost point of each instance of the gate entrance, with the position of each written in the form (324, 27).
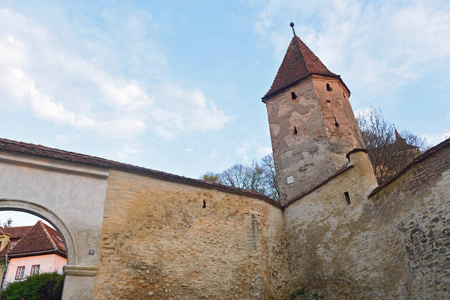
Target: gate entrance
(29, 245)
(71, 198)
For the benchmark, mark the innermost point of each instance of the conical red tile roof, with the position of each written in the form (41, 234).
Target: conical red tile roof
(299, 62)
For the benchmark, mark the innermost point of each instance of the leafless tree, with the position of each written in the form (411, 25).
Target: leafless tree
(270, 177)
(389, 151)
(8, 223)
(258, 177)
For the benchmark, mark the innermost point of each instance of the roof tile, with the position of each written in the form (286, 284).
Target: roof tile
(16, 232)
(298, 63)
(40, 238)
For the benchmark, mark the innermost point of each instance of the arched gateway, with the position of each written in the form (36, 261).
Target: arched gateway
(71, 197)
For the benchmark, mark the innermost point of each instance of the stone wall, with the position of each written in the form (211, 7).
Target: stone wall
(174, 241)
(415, 210)
(394, 246)
(321, 231)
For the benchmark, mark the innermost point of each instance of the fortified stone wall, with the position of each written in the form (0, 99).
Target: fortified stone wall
(415, 210)
(394, 246)
(174, 241)
(321, 228)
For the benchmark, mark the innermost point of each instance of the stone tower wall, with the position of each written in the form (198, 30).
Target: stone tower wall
(307, 145)
(336, 108)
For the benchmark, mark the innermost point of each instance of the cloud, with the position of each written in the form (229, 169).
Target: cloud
(434, 139)
(65, 137)
(243, 149)
(41, 104)
(249, 150)
(71, 84)
(177, 110)
(129, 149)
(376, 47)
(263, 151)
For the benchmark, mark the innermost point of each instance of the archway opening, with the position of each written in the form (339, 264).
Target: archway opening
(30, 244)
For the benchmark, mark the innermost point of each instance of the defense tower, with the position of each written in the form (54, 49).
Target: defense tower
(312, 125)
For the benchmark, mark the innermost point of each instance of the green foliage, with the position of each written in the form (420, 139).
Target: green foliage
(301, 294)
(211, 177)
(298, 292)
(42, 286)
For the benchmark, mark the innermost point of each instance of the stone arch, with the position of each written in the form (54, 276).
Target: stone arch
(51, 217)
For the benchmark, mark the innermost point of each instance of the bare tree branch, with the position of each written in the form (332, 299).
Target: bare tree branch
(257, 177)
(388, 150)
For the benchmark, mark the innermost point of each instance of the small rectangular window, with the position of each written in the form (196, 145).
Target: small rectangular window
(13, 244)
(34, 270)
(20, 272)
(347, 198)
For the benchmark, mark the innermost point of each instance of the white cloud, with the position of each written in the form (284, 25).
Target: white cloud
(121, 127)
(177, 110)
(41, 104)
(71, 85)
(263, 151)
(376, 47)
(243, 149)
(434, 139)
(249, 150)
(128, 150)
(65, 137)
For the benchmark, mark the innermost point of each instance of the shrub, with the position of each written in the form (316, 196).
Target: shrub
(42, 286)
(298, 292)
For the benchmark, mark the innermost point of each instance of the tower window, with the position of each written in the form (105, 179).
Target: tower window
(204, 204)
(329, 87)
(295, 130)
(335, 122)
(293, 95)
(347, 198)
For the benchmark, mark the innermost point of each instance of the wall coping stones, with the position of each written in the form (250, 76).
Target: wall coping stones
(73, 157)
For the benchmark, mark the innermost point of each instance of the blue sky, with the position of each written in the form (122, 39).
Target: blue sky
(177, 85)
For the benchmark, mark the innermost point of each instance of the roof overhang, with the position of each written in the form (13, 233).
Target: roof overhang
(277, 92)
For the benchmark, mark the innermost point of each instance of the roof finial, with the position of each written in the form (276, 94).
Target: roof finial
(293, 30)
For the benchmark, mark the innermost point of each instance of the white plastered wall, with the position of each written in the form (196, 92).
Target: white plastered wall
(71, 197)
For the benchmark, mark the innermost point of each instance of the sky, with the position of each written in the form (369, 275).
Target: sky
(176, 85)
